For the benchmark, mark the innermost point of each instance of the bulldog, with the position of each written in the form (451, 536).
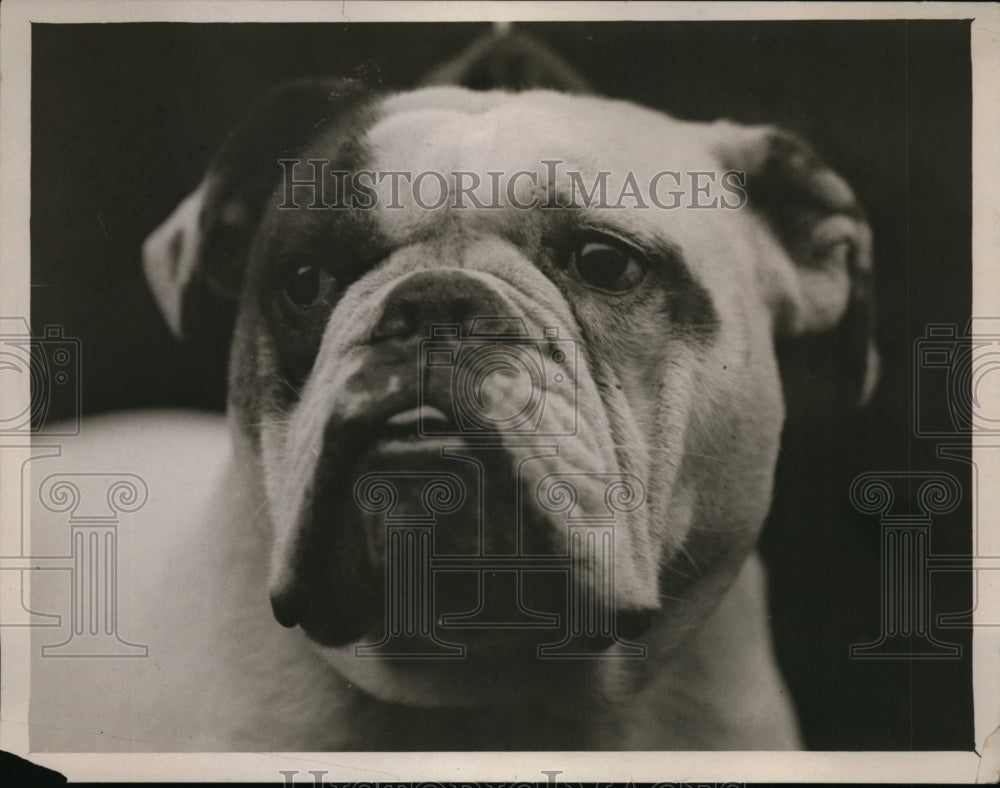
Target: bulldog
(504, 412)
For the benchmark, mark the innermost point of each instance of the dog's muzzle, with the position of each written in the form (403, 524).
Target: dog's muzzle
(418, 499)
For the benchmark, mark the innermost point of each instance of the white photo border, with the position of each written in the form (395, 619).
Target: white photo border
(15, 66)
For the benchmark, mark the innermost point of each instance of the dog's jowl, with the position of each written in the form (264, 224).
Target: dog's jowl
(503, 418)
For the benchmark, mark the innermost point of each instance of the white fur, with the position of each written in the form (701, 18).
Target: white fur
(699, 423)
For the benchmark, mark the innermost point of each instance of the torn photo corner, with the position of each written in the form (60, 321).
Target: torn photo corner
(407, 392)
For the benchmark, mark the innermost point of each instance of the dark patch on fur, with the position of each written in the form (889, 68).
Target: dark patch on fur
(686, 304)
(794, 190)
(344, 242)
(245, 170)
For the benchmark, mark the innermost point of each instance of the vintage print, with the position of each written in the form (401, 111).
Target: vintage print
(498, 385)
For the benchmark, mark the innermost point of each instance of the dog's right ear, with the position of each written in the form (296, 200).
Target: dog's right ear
(828, 256)
(200, 250)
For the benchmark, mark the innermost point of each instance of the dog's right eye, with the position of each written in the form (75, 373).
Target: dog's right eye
(607, 265)
(307, 285)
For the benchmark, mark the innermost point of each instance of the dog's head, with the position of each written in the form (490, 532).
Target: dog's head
(544, 323)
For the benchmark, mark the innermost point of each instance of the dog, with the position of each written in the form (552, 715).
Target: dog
(401, 539)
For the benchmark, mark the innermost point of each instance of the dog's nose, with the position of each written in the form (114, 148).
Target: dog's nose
(422, 299)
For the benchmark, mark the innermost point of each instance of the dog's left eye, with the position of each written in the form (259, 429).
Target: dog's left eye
(607, 266)
(307, 285)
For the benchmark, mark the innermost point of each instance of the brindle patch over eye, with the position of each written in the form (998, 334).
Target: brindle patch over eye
(306, 284)
(599, 261)
(615, 267)
(299, 296)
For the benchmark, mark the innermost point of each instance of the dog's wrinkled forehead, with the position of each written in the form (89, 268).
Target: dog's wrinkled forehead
(537, 122)
(450, 153)
(517, 146)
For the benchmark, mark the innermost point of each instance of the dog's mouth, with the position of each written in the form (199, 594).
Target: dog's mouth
(416, 535)
(415, 429)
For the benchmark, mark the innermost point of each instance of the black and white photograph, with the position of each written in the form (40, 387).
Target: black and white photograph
(482, 391)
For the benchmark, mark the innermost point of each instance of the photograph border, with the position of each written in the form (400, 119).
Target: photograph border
(980, 765)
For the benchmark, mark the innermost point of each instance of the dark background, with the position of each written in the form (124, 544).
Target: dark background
(125, 118)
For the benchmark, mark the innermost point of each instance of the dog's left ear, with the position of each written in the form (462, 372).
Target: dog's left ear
(194, 261)
(815, 215)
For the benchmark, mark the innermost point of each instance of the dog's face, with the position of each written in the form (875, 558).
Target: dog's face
(517, 346)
